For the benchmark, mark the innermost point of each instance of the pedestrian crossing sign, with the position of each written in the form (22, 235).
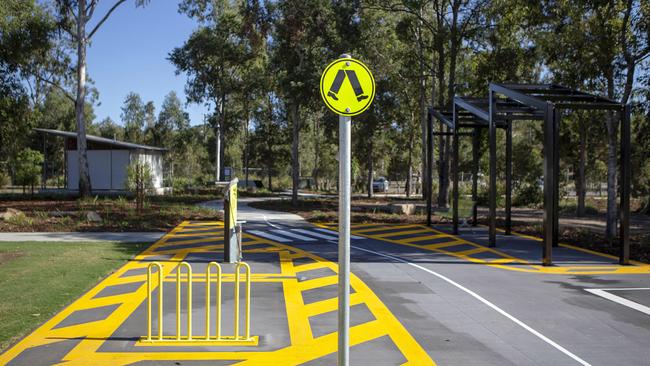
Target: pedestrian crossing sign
(347, 87)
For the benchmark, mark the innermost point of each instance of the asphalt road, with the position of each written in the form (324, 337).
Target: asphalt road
(468, 313)
(419, 296)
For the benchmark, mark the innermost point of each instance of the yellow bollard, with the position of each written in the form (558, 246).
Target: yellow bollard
(189, 300)
(207, 300)
(247, 299)
(160, 299)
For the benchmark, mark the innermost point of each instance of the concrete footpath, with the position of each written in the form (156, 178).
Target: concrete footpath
(127, 237)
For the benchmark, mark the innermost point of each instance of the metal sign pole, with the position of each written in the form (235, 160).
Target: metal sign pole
(347, 88)
(345, 131)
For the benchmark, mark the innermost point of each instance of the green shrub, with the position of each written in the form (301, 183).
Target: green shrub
(483, 198)
(180, 184)
(528, 195)
(5, 179)
(28, 168)
(572, 207)
(319, 215)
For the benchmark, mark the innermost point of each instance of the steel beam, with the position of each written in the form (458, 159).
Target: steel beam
(477, 111)
(442, 118)
(518, 96)
(509, 178)
(624, 255)
(493, 172)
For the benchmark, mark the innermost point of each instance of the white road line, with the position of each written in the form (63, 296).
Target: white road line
(337, 233)
(486, 302)
(293, 235)
(269, 236)
(602, 292)
(269, 222)
(311, 233)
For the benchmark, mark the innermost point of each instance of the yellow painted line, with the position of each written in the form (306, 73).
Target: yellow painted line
(214, 234)
(423, 238)
(326, 306)
(365, 231)
(502, 260)
(172, 341)
(309, 266)
(452, 243)
(469, 252)
(317, 282)
(398, 233)
(190, 241)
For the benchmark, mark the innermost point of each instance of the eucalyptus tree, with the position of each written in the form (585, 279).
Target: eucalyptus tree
(614, 35)
(213, 58)
(133, 118)
(300, 49)
(26, 33)
(75, 20)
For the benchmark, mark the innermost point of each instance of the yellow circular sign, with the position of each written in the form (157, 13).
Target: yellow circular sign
(347, 87)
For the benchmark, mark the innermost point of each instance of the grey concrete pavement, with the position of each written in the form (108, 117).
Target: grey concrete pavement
(127, 237)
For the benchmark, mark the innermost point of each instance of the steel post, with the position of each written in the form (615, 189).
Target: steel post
(492, 216)
(429, 160)
(624, 254)
(549, 160)
(454, 163)
(508, 230)
(345, 129)
(556, 176)
(475, 161)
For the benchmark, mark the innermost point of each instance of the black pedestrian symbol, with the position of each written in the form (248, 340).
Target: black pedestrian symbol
(338, 81)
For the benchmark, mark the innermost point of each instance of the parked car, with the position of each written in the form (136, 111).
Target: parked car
(380, 185)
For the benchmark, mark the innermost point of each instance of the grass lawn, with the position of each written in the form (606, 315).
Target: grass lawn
(37, 279)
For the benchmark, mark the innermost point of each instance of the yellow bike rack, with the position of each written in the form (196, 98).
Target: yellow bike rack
(207, 339)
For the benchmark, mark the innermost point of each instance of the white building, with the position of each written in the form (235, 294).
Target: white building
(108, 160)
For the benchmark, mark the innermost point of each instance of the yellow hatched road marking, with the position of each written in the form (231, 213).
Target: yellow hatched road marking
(309, 266)
(472, 251)
(423, 238)
(409, 232)
(365, 231)
(325, 306)
(502, 263)
(304, 346)
(452, 243)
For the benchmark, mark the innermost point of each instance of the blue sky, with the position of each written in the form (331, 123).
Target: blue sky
(129, 53)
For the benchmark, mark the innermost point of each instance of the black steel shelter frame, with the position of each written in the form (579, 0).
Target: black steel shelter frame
(505, 104)
(547, 101)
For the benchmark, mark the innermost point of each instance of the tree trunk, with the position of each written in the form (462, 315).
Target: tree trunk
(85, 189)
(422, 102)
(295, 158)
(610, 229)
(443, 146)
(246, 157)
(370, 168)
(410, 159)
(581, 181)
(217, 151)
(315, 172)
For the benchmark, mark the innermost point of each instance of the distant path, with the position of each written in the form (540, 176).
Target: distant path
(247, 213)
(127, 237)
(639, 224)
